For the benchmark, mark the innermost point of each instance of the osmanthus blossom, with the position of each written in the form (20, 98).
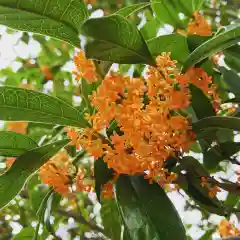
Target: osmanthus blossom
(227, 229)
(147, 113)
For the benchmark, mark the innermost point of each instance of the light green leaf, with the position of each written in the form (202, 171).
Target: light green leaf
(146, 211)
(12, 181)
(17, 104)
(128, 10)
(115, 39)
(14, 144)
(60, 19)
(216, 44)
(169, 43)
(167, 12)
(25, 233)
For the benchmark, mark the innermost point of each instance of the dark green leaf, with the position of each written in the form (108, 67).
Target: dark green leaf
(195, 40)
(60, 19)
(220, 152)
(146, 211)
(102, 175)
(200, 103)
(25, 233)
(17, 104)
(211, 123)
(232, 80)
(111, 219)
(23, 168)
(216, 44)
(14, 144)
(170, 43)
(115, 39)
(128, 10)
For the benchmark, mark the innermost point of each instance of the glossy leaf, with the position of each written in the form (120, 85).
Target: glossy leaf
(60, 19)
(102, 175)
(216, 44)
(23, 168)
(18, 104)
(128, 10)
(14, 144)
(115, 39)
(211, 123)
(146, 211)
(169, 43)
(200, 103)
(111, 219)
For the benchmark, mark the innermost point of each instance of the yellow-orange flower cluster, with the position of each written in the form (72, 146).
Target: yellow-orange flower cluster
(85, 68)
(226, 229)
(82, 183)
(212, 190)
(199, 26)
(56, 173)
(146, 113)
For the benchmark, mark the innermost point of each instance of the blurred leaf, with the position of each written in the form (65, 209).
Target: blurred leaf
(208, 234)
(216, 44)
(18, 104)
(138, 201)
(102, 175)
(115, 39)
(23, 168)
(26, 233)
(200, 103)
(111, 219)
(14, 144)
(170, 43)
(128, 10)
(60, 19)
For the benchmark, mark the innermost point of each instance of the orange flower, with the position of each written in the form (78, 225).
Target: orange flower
(56, 173)
(85, 68)
(73, 135)
(199, 26)
(203, 181)
(226, 229)
(9, 162)
(47, 73)
(213, 191)
(18, 127)
(82, 184)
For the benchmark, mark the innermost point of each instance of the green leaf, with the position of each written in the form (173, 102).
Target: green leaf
(194, 172)
(216, 44)
(115, 39)
(200, 103)
(195, 40)
(170, 43)
(146, 211)
(232, 58)
(129, 10)
(17, 104)
(232, 79)
(111, 219)
(102, 175)
(14, 144)
(210, 123)
(23, 168)
(167, 12)
(220, 152)
(26, 233)
(60, 19)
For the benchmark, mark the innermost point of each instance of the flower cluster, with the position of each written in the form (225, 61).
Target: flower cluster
(199, 26)
(226, 229)
(147, 113)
